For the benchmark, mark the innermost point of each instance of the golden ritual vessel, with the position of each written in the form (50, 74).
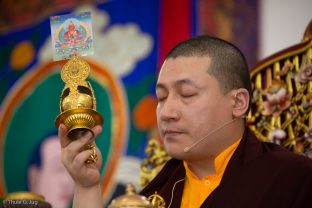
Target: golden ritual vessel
(132, 200)
(25, 200)
(78, 103)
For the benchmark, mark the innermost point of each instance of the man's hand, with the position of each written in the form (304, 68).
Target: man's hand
(73, 158)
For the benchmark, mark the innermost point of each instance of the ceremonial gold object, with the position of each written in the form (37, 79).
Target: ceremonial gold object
(25, 199)
(157, 200)
(93, 157)
(24, 195)
(131, 200)
(78, 103)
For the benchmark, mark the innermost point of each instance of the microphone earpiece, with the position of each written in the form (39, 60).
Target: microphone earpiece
(188, 148)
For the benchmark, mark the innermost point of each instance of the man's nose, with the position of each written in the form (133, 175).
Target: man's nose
(169, 110)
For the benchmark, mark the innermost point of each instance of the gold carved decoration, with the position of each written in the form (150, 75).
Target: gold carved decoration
(282, 99)
(156, 158)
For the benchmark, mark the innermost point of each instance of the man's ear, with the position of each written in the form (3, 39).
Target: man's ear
(240, 102)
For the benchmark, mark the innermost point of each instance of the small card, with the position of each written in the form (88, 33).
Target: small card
(71, 35)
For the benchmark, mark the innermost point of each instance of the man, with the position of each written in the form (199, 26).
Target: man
(203, 92)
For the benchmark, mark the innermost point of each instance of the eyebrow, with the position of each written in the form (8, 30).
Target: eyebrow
(178, 83)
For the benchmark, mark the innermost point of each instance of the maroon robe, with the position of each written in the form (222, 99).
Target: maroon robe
(258, 175)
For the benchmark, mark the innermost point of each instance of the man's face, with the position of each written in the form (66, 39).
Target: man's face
(190, 106)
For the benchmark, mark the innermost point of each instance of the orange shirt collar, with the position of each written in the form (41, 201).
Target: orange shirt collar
(197, 190)
(220, 162)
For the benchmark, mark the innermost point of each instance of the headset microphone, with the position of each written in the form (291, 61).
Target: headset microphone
(187, 149)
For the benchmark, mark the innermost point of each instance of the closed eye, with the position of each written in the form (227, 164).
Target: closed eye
(161, 98)
(188, 95)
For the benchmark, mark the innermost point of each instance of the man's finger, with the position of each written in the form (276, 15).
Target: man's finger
(62, 134)
(97, 130)
(74, 147)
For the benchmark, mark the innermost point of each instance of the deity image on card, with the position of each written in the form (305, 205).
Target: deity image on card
(71, 35)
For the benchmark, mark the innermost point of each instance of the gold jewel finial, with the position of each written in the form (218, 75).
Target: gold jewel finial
(157, 200)
(75, 72)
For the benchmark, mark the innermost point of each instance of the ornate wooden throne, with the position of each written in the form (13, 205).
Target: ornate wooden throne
(282, 97)
(281, 105)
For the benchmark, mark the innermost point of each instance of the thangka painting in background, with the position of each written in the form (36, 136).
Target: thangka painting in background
(236, 21)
